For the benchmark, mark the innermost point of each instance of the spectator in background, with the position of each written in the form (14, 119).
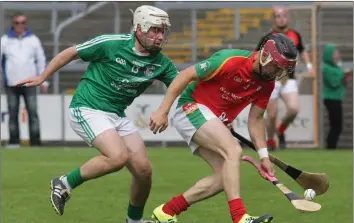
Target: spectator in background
(22, 56)
(334, 81)
(286, 88)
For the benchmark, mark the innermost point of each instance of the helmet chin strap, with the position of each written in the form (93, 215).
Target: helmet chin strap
(259, 73)
(151, 50)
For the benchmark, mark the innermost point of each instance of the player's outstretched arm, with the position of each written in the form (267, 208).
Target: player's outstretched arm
(306, 58)
(256, 128)
(159, 119)
(62, 59)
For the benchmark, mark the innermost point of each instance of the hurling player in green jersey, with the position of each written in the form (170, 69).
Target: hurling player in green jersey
(120, 68)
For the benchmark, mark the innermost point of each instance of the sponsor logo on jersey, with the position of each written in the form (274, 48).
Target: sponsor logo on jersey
(238, 79)
(248, 84)
(204, 66)
(121, 61)
(149, 71)
(139, 64)
(190, 108)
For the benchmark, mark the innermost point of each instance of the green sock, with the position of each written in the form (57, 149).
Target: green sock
(135, 213)
(74, 178)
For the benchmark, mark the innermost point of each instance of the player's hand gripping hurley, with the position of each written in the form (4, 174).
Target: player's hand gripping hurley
(300, 204)
(317, 181)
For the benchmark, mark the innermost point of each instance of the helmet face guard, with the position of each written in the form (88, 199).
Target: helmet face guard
(155, 48)
(270, 55)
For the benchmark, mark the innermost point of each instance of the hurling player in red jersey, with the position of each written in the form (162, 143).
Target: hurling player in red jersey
(287, 89)
(214, 92)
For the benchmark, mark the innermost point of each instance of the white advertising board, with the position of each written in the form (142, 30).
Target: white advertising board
(52, 107)
(49, 113)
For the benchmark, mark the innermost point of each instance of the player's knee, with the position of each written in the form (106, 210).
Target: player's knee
(271, 118)
(233, 153)
(143, 170)
(271, 114)
(293, 111)
(118, 160)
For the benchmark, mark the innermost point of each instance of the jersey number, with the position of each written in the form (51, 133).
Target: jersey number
(135, 69)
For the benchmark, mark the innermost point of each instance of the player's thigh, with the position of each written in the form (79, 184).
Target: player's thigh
(215, 136)
(199, 126)
(111, 145)
(97, 129)
(188, 118)
(276, 91)
(290, 95)
(272, 109)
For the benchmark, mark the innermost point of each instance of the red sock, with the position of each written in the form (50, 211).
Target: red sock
(271, 143)
(281, 129)
(175, 206)
(237, 209)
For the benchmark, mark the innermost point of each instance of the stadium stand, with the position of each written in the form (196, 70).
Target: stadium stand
(214, 29)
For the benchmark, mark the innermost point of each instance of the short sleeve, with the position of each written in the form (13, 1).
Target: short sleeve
(265, 93)
(94, 49)
(170, 74)
(206, 67)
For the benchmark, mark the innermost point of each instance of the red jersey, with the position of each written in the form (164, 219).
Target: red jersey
(227, 84)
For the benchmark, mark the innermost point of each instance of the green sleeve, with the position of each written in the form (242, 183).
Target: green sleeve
(206, 67)
(333, 77)
(94, 49)
(170, 74)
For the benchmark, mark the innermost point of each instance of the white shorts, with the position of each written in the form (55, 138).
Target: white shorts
(89, 123)
(279, 89)
(189, 118)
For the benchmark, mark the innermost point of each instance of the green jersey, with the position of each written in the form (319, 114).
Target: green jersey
(117, 73)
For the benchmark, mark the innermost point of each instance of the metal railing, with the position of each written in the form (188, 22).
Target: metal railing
(67, 22)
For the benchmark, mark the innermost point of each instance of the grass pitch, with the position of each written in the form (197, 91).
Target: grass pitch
(26, 174)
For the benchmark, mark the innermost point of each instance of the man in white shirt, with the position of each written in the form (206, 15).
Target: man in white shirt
(22, 56)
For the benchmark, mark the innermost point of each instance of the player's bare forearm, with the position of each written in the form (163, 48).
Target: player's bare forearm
(256, 127)
(59, 61)
(306, 57)
(177, 86)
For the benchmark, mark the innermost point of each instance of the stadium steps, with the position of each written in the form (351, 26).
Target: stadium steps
(212, 30)
(339, 21)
